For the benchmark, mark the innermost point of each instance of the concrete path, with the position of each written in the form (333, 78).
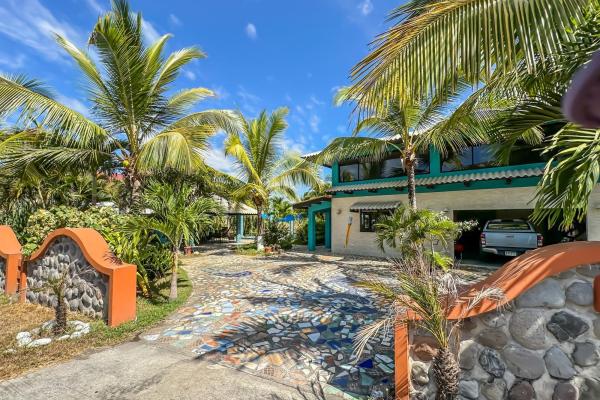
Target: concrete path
(279, 327)
(138, 370)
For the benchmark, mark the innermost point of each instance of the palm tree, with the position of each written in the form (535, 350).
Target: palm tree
(434, 42)
(136, 124)
(178, 215)
(280, 207)
(263, 168)
(427, 286)
(408, 128)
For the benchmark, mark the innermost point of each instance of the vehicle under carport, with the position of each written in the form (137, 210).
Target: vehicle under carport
(467, 248)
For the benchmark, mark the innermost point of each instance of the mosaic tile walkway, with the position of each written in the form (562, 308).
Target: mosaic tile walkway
(292, 318)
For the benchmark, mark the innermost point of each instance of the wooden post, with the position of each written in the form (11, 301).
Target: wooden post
(401, 361)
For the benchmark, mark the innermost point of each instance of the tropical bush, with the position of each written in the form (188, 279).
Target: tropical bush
(278, 236)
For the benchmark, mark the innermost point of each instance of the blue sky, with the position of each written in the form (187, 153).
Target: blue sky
(261, 53)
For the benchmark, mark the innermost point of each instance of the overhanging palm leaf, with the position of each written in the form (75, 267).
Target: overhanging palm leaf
(432, 40)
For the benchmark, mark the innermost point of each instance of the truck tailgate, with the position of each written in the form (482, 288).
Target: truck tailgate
(522, 240)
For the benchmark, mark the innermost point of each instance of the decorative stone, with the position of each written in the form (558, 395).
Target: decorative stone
(419, 373)
(558, 364)
(547, 293)
(424, 348)
(521, 391)
(494, 319)
(590, 271)
(23, 338)
(585, 354)
(523, 363)
(597, 327)
(565, 391)
(527, 328)
(40, 342)
(468, 389)
(469, 324)
(564, 326)
(494, 338)
(590, 389)
(491, 363)
(580, 293)
(468, 355)
(566, 274)
(495, 390)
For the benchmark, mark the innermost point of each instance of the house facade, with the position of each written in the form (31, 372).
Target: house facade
(467, 186)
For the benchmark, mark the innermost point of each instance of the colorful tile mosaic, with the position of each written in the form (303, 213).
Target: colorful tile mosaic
(292, 318)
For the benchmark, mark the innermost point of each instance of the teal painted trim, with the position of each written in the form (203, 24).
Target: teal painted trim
(312, 232)
(435, 162)
(328, 229)
(453, 173)
(240, 228)
(335, 174)
(324, 205)
(450, 187)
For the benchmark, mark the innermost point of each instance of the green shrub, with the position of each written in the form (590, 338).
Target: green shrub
(277, 235)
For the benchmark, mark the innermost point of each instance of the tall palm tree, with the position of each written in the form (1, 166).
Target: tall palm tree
(409, 128)
(178, 215)
(433, 42)
(136, 123)
(263, 168)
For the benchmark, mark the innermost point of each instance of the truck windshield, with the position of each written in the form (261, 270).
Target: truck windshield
(509, 226)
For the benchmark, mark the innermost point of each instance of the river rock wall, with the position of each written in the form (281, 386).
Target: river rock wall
(2, 274)
(87, 289)
(544, 345)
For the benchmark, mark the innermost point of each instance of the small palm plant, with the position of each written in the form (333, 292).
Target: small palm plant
(177, 215)
(427, 287)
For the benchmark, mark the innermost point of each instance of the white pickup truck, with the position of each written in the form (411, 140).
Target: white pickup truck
(509, 237)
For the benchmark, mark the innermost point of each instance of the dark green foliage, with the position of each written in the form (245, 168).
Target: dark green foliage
(277, 235)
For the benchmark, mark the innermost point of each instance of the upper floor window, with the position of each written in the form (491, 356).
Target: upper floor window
(483, 157)
(388, 168)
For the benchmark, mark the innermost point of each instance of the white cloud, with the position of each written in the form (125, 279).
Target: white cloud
(174, 20)
(150, 33)
(251, 31)
(95, 6)
(221, 92)
(73, 104)
(189, 74)
(316, 101)
(248, 101)
(215, 157)
(13, 62)
(31, 24)
(365, 7)
(314, 123)
(341, 129)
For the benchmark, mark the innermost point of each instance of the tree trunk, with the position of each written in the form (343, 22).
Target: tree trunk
(60, 315)
(94, 187)
(259, 230)
(173, 290)
(409, 166)
(446, 372)
(133, 190)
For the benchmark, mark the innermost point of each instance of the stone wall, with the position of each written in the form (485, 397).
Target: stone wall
(544, 345)
(87, 289)
(2, 274)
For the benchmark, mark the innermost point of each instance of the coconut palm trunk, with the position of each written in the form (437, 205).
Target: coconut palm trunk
(259, 228)
(173, 289)
(409, 166)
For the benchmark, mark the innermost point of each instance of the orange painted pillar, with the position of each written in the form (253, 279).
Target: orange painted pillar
(401, 361)
(122, 295)
(10, 250)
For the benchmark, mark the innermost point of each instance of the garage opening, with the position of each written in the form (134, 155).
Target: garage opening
(468, 246)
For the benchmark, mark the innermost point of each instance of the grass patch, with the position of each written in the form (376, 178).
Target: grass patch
(18, 317)
(249, 250)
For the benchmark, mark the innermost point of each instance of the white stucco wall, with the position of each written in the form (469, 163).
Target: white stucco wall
(363, 243)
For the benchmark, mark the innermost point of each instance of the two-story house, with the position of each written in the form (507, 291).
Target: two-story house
(465, 186)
